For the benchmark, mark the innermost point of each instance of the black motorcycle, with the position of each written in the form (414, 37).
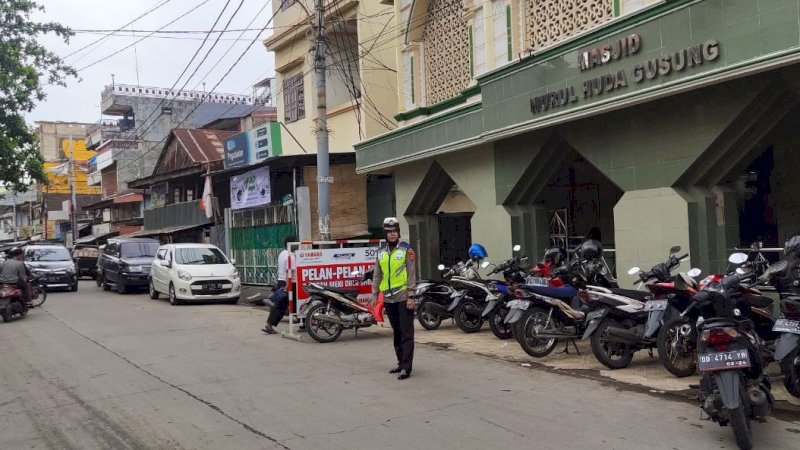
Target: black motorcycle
(732, 356)
(433, 297)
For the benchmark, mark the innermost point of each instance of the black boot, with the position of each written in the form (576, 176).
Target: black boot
(395, 370)
(404, 374)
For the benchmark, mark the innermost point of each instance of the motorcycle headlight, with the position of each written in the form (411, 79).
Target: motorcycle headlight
(184, 275)
(235, 274)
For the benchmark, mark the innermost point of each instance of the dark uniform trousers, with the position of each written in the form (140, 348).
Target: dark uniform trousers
(402, 321)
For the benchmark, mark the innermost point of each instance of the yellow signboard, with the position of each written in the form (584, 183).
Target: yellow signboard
(58, 173)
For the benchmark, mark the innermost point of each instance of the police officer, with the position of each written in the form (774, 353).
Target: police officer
(396, 277)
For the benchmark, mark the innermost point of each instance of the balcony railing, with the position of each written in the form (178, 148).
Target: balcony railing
(175, 215)
(157, 92)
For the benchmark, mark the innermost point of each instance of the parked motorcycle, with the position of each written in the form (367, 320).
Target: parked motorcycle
(433, 298)
(331, 310)
(787, 347)
(497, 309)
(732, 355)
(471, 292)
(549, 307)
(677, 339)
(637, 329)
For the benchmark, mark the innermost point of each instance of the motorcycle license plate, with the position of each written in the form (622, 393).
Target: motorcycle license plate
(536, 281)
(595, 315)
(787, 326)
(655, 305)
(734, 359)
(519, 304)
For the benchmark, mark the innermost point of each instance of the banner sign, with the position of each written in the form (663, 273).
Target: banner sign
(333, 267)
(251, 189)
(251, 147)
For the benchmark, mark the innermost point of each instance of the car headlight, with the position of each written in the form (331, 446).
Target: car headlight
(71, 270)
(184, 275)
(235, 274)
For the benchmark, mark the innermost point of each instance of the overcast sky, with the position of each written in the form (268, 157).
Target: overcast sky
(160, 60)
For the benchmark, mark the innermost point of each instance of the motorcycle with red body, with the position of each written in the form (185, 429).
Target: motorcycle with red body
(12, 303)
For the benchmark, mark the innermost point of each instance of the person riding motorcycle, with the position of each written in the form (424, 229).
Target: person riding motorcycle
(15, 272)
(395, 277)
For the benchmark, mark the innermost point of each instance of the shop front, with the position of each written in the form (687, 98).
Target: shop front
(672, 127)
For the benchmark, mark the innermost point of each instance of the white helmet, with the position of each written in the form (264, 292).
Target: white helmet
(391, 224)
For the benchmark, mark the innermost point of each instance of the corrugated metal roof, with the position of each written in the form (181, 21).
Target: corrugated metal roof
(202, 145)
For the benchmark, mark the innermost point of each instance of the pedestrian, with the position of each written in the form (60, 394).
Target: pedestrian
(396, 278)
(280, 297)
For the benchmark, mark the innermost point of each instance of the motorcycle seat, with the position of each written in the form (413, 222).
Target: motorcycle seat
(564, 292)
(759, 301)
(633, 293)
(342, 291)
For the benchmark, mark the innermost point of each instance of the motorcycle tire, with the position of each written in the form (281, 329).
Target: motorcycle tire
(98, 278)
(314, 327)
(465, 321)
(428, 319)
(790, 369)
(667, 350)
(534, 346)
(602, 350)
(740, 424)
(499, 329)
(40, 299)
(8, 313)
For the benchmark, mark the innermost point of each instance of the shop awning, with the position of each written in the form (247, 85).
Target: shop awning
(165, 230)
(94, 237)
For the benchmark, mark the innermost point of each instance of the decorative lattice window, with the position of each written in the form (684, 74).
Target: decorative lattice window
(549, 22)
(293, 99)
(446, 50)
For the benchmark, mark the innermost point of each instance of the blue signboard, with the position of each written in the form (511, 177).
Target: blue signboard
(251, 147)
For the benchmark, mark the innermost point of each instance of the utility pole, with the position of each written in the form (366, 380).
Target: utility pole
(324, 180)
(72, 189)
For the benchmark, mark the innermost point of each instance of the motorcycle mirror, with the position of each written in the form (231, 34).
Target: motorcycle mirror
(634, 270)
(674, 249)
(517, 248)
(737, 258)
(694, 273)
(440, 267)
(485, 264)
(740, 271)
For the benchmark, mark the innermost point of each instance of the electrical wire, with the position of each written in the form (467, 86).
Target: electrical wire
(141, 16)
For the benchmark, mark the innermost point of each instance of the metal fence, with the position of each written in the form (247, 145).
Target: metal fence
(257, 237)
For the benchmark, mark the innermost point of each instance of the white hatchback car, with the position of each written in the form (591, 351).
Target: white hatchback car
(194, 272)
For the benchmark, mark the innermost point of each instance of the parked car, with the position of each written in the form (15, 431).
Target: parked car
(194, 272)
(125, 263)
(85, 257)
(53, 265)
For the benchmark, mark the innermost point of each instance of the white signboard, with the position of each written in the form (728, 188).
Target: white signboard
(250, 189)
(334, 267)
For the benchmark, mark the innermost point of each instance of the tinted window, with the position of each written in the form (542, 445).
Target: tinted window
(138, 249)
(48, 254)
(199, 255)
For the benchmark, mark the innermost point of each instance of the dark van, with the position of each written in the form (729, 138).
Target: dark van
(125, 263)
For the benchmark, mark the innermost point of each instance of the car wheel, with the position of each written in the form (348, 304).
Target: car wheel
(233, 301)
(153, 291)
(122, 288)
(74, 287)
(173, 299)
(104, 282)
(98, 279)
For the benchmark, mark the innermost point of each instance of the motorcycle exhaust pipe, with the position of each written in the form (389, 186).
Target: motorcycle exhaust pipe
(759, 401)
(334, 320)
(622, 336)
(437, 308)
(473, 310)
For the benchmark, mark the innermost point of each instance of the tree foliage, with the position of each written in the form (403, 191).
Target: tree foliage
(26, 66)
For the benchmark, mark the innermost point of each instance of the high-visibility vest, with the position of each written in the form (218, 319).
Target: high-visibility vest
(393, 268)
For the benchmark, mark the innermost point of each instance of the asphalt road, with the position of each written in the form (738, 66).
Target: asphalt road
(100, 370)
